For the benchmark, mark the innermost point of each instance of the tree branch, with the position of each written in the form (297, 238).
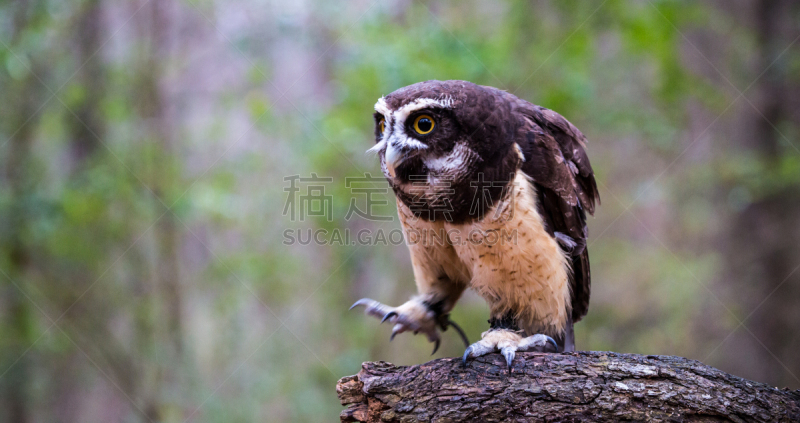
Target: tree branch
(583, 386)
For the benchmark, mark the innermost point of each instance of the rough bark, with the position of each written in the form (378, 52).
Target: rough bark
(583, 386)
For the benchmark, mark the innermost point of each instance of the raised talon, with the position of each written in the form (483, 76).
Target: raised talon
(389, 315)
(372, 307)
(358, 303)
(413, 316)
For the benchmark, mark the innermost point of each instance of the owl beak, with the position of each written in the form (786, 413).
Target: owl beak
(393, 157)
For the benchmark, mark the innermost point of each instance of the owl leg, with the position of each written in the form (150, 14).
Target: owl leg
(508, 342)
(566, 340)
(416, 315)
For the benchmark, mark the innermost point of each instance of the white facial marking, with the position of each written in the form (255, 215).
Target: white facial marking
(377, 147)
(382, 108)
(519, 152)
(453, 163)
(403, 140)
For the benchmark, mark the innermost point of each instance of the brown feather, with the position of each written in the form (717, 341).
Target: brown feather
(556, 161)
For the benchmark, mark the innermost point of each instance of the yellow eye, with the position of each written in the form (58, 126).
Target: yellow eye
(424, 124)
(381, 125)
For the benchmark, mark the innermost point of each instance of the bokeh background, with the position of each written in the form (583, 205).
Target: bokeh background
(145, 146)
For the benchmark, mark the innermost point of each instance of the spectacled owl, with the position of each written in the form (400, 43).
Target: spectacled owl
(492, 194)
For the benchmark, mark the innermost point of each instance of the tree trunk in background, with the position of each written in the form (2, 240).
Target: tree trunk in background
(20, 315)
(155, 110)
(87, 123)
(764, 247)
(87, 320)
(162, 330)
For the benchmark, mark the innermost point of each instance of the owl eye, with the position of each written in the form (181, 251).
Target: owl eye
(382, 125)
(424, 124)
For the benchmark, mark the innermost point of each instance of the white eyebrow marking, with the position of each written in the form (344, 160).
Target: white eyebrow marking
(400, 115)
(382, 108)
(421, 103)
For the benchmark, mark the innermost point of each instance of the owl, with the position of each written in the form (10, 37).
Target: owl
(492, 194)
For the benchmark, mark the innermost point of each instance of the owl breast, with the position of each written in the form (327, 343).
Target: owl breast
(506, 256)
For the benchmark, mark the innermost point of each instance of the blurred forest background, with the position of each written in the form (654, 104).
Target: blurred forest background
(144, 146)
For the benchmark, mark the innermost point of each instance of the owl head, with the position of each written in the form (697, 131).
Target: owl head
(440, 143)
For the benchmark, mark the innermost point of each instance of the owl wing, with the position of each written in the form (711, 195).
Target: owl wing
(556, 161)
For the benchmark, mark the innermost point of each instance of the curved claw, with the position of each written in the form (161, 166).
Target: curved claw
(395, 331)
(460, 331)
(363, 301)
(436, 347)
(552, 341)
(388, 315)
(466, 355)
(509, 355)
